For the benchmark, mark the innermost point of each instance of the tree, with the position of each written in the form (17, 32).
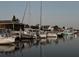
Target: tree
(15, 20)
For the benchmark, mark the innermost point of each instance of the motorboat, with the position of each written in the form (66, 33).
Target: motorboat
(68, 32)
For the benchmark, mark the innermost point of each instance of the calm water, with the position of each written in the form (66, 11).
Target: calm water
(62, 47)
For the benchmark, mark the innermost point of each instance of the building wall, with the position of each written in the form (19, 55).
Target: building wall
(10, 26)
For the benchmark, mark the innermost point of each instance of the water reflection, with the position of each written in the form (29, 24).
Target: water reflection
(28, 44)
(6, 48)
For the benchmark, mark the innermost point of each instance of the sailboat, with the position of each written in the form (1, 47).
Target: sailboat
(42, 34)
(5, 37)
(26, 33)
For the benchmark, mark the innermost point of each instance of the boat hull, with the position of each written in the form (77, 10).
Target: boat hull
(42, 36)
(7, 40)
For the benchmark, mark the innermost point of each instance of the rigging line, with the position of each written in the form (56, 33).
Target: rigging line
(40, 16)
(24, 12)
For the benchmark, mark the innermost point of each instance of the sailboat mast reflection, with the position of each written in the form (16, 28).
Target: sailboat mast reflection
(40, 26)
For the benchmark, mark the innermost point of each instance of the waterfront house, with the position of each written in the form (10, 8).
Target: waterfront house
(9, 24)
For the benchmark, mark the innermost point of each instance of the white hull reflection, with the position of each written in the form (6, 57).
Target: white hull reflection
(43, 40)
(52, 36)
(7, 48)
(70, 36)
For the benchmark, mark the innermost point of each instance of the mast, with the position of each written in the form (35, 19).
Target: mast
(40, 17)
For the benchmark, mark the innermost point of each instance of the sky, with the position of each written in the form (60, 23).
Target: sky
(62, 13)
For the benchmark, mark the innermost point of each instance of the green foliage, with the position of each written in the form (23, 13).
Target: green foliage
(14, 19)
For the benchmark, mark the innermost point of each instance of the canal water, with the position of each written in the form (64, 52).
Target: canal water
(62, 47)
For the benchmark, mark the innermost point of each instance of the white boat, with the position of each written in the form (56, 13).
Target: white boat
(15, 33)
(42, 35)
(52, 35)
(68, 32)
(5, 37)
(28, 33)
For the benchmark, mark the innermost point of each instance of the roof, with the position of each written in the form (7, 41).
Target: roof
(5, 21)
(8, 22)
